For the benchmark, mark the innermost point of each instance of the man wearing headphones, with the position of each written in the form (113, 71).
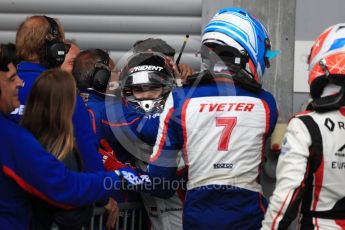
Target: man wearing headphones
(93, 68)
(40, 45)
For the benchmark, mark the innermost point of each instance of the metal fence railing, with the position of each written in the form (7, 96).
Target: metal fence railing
(130, 218)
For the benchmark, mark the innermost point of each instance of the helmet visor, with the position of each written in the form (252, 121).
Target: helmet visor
(145, 81)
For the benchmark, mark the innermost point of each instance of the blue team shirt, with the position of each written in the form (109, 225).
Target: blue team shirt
(86, 141)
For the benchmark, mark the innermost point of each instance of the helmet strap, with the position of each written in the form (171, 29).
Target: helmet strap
(332, 102)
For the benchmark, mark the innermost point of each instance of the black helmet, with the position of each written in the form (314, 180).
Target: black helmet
(146, 71)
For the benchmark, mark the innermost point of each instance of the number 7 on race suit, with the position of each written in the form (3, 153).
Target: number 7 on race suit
(228, 123)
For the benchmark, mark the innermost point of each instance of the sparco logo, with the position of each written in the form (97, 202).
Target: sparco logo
(223, 166)
(146, 67)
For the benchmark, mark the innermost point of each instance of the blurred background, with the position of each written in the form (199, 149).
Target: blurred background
(115, 25)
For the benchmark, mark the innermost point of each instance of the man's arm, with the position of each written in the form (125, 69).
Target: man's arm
(164, 159)
(41, 174)
(271, 110)
(86, 139)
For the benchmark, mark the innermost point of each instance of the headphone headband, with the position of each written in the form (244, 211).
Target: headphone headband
(101, 74)
(54, 31)
(104, 56)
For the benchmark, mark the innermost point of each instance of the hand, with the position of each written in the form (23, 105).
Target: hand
(181, 73)
(177, 74)
(113, 213)
(110, 161)
(104, 148)
(185, 71)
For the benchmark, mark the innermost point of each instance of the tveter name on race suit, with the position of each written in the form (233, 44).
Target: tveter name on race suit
(223, 166)
(221, 107)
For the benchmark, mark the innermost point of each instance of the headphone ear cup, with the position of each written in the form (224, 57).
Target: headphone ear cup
(55, 52)
(100, 79)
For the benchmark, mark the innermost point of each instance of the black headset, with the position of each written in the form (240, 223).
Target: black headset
(101, 74)
(55, 50)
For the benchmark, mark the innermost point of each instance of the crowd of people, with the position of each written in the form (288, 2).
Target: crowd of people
(192, 153)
